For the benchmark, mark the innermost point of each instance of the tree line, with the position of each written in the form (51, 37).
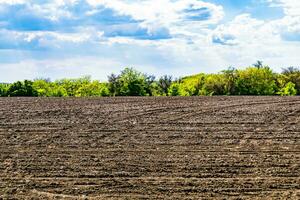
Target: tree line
(255, 80)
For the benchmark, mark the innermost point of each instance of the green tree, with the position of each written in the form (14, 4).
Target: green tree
(113, 85)
(155, 90)
(191, 85)
(3, 90)
(93, 89)
(293, 75)
(150, 86)
(22, 89)
(72, 85)
(43, 87)
(288, 90)
(164, 84)
(230, 80)
(258, 64)
(256, 81)
(58, 91)
(215, 84)
(174, 89)
(132, 83)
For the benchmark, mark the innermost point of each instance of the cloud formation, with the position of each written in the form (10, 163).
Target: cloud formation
(177, 37)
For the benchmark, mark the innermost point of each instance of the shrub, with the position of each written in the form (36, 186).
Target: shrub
(288, 90)
(22, 89)
(256, 81)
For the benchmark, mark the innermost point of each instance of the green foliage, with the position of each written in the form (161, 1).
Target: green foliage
(93, 89)
(3, 90)
(113, 85)
(130, 83)
(258, 64)
(174, 89)
(150, 85)
(215, 84)
(255, 81)
(72, 85)
(22, 89)
(187, 86)
(82, 87)
(190, 86)
(164, 84)
(293, 75)
(230, 76)
(43, 88)
(58, 91)
(288, 90)
(156, 90)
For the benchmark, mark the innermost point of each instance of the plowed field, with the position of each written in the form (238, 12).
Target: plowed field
(150, 148)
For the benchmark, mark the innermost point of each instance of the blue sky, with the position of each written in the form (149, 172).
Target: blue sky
(72, 38)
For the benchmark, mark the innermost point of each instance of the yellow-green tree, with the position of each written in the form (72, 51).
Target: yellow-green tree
(256, 81)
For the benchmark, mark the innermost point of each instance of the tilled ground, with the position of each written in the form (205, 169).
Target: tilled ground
(150, 148)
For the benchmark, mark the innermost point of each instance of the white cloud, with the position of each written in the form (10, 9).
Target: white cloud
(198, 41)
(288, 26)
(177, 16)
(291, 7)
(246, 30)
(12, 2)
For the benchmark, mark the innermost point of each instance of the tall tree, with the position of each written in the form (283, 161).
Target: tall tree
(113, 85)
(230, 79)
(132, 83)
(164, 83)
(258, 64)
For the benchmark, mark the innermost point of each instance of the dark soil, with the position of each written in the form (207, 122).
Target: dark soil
(150, 148)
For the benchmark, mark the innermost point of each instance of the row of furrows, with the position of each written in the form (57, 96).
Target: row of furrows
(211, 144)
(223, 118)
(118, 146)
(46, 103)
(118, 169)
(190, 111)
(220, 125)
(251, 187)
(232, 145)
(140, 143)
(179, 114)
(131, 164)
(183, 129)
(123, 112)
(217, 110)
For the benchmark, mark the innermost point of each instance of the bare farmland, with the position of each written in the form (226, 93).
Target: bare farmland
(150, 148)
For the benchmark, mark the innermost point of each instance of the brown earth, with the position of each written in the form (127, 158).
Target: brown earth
(150, 148)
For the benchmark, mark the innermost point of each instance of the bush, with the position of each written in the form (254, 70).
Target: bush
(215, 84)
(72, 85)
(288, 90)
(174, 89)
(93, 89)
(293, 75)
(22, 89)
(256, 81)
(129, 83)
(43, 88)
(3, 90)
(58, 91)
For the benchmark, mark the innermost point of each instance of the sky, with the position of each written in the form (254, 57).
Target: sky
(73, 38)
